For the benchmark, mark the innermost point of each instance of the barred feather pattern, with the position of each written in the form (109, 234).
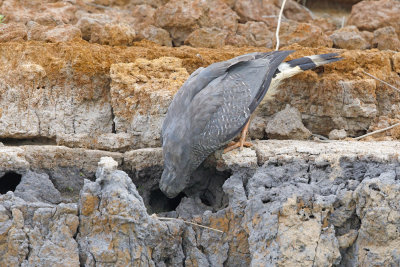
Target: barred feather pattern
(227, 121)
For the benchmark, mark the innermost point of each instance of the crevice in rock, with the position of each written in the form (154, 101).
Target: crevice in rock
(159, 202)
(42, 141)
(113, 130)
(9, 181)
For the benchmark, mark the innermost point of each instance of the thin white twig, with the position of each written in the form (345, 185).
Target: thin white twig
(376, 78)
(279, 24)
(377, 131)
(175, 219)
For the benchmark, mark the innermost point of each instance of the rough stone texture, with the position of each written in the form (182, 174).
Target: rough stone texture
(37, 188)
(61, 33)
(256, 10)
(336, 134)
(37, 234)
(207, 37)
(155, 34)
(256, 34)
(66, 168)
(386, 38)
(289, 203)
(372, 15)
(141, 93)
(64, 96)
(304, 34)
(349, 37)
(287, 124)
(12, 32)
(182, 17)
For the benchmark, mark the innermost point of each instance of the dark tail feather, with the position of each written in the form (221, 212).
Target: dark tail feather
(310, 62)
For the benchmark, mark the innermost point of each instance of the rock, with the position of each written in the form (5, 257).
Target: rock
(396, 62)
(287, 124)
(349, 38)
(336, 201)
(12, 32)
(325, 24)
(296, 11)
(181, 18)
(155, 34)
(37, 163)
(386, 38)
(62, 33)
(336, 134)
(35, 187)
(256, 10)
(256, 34)
(83, 113)
(207, 37)
(372, 15)
(304, 34)
(141, 93)
(218, 14)
(115, 197)
(102, 29)
(37, 234)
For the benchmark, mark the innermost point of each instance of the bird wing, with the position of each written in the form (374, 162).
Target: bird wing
(197, 81)
(219, 111)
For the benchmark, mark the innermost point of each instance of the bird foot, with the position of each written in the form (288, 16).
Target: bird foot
(234, 145)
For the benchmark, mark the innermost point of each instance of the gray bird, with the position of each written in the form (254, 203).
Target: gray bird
(215, 104)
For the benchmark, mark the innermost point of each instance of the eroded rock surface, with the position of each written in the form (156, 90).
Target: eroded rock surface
(111, 98)
(288, 203)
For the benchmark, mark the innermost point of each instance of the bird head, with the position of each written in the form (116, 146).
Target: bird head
(177, 166)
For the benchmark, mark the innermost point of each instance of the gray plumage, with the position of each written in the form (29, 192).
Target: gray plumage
(215, 103)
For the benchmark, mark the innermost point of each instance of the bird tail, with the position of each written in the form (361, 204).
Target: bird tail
(296, 66)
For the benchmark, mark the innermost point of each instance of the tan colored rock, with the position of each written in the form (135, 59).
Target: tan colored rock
(62, 33)
(249, 10)
(295, 11)
(236, 40)
(256, 33)
(48, 13)
(372, 15)
(218, 14)
(141, 93)
(303, 34)
(102, 29)
(326, 25)
(336, 134)
(396, 62)
(207, 37)
(12, 32)
(349, 37)
(157, 35)
(143, 15)
(386, 39)
(182, 17)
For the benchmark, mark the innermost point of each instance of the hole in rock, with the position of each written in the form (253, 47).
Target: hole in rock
(159, 202)
(9, 181)
(28, 141)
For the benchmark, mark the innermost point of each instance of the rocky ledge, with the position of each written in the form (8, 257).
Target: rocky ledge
(281, 203)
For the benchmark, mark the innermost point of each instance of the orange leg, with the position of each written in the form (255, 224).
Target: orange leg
(242, 141)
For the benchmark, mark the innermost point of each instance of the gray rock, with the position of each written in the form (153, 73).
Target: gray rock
(349, 37)
(37, 187)
(287, 124)
(336, 134)
(37, 234)
(386, 38)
